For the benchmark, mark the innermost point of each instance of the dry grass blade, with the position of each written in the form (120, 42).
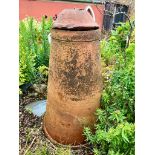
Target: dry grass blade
(30, 145)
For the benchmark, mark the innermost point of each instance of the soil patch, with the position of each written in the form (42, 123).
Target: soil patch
(31, 134)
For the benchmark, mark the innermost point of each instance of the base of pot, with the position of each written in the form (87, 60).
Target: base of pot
(74, 147)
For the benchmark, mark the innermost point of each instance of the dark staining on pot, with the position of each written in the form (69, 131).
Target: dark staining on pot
(78, 81)
(76, 78)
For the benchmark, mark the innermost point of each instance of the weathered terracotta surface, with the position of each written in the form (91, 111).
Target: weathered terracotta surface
(74, 85)
(75, 19)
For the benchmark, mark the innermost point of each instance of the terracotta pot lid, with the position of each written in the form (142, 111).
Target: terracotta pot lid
(75, 19)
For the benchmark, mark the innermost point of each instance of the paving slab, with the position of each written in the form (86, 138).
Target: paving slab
(38, 108)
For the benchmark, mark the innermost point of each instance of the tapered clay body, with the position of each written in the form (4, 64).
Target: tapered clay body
(75, 81)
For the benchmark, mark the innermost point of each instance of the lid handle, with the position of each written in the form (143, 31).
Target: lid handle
(91, 12)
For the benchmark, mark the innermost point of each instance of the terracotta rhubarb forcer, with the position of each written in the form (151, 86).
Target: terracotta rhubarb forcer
(74, 82)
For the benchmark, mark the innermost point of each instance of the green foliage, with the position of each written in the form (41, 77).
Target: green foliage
(115, 125)
(34, 48)
(117, 140)
(43, 70)
(45, 151)
(42, 151)
(63, 151)
(113, 50)
(39, 151)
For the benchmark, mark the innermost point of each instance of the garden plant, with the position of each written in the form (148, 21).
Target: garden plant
(34, 50)
(115, 127)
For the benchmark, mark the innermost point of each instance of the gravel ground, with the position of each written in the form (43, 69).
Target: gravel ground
(32, 137)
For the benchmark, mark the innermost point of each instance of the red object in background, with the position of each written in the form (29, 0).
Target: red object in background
(37, 9)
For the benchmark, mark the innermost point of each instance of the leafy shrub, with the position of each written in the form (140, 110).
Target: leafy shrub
(117, 140)
(114, 133)
(34, 48)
